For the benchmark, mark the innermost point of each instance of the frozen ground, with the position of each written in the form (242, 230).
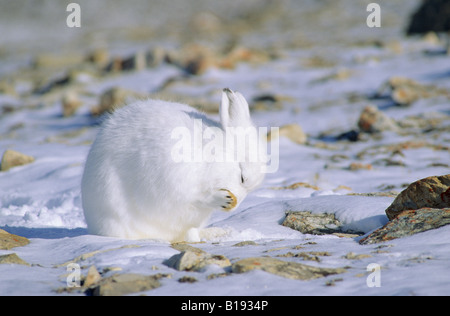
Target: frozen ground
(42, 201)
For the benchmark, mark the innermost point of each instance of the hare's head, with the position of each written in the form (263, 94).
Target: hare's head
(244, 145)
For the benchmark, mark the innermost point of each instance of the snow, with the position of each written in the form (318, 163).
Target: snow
(42, 200)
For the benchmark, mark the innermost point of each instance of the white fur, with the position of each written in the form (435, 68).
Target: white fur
(132, 188)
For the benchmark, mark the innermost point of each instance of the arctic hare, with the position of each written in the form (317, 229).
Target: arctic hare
(135, 187)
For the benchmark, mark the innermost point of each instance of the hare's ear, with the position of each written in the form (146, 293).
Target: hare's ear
(234, 109)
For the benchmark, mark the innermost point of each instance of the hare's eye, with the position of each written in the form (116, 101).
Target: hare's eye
(242, 179)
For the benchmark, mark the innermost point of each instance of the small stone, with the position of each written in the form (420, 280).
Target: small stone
(12, 158)
(360, 166)
(245, 243)
(113, 99)
(187, 279)
(12, 258)
(354, 256)
(291, 131)
(9, 241)
(372, 120)
(195, 261)
(70, 103)
(433, 192)
(286, 269)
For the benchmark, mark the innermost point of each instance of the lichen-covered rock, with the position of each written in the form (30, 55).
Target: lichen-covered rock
(308, 223)
(408, 223)
(432, 192)
(286, 269)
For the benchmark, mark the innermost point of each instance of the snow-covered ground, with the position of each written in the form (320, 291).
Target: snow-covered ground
(42, 202)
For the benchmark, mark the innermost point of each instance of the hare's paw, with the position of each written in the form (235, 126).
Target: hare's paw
(221, 199)
(227, 200)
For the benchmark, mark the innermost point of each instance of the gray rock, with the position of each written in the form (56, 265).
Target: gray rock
(195, 261)
(123, 284)
(286, 269)
(308, 223)
(408, 223)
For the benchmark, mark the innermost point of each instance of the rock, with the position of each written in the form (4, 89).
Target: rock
(372, 120)
(408, 223)
(245, 243)
(70, 103)
(433, 192)
(293, 132)
(296, 186)
(187, 279)
(114, 98)
(92, 277)
(405, 91)
(135, 62)
(308, 223)
(99, 57)
(12, 258)
(286, 269)
(194, 59)
(359, 166)
(123, 284)
(12, 158)
(354, 256)
(195, 261)
(405, 95)
(9, 241)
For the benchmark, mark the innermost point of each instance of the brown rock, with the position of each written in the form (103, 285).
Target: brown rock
(432, 192)
(12, 158)
(9, 241)
(286, 269)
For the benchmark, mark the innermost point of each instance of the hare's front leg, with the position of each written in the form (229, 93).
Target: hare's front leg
(220, 199)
